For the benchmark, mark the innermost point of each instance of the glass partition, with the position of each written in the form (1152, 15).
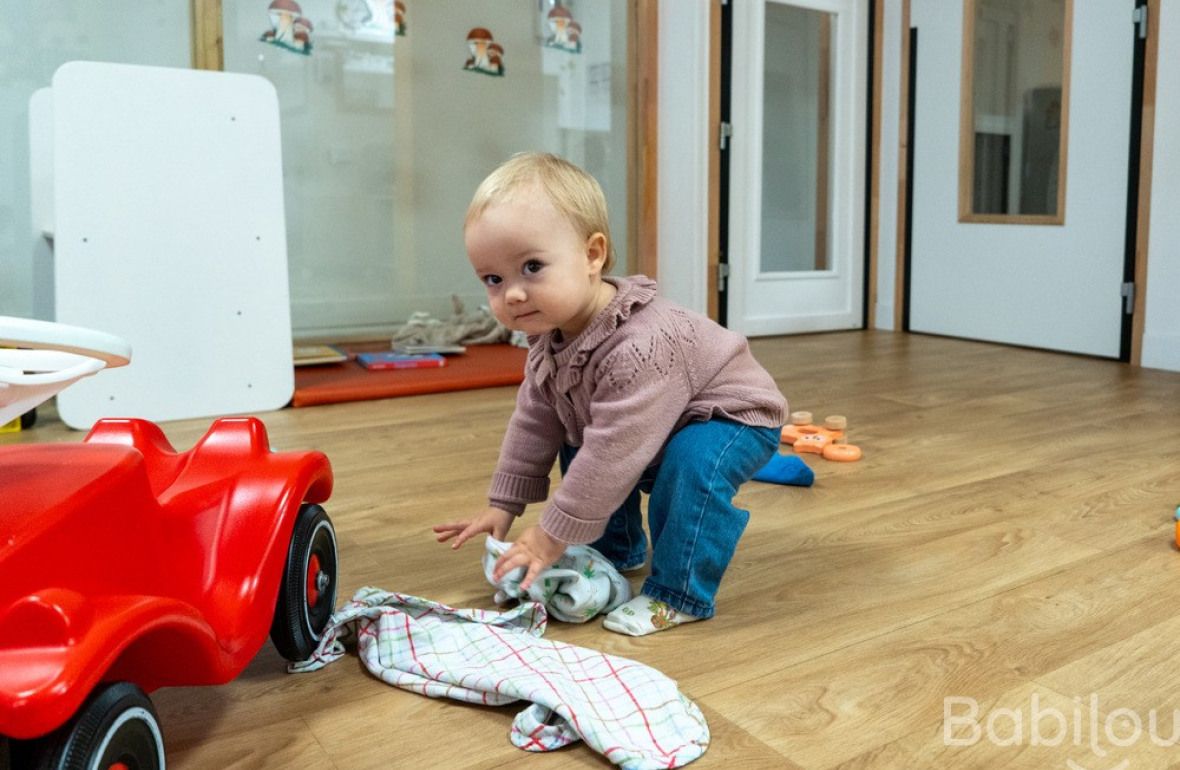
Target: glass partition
(392, 113)
(36, 39)
(1014, 113)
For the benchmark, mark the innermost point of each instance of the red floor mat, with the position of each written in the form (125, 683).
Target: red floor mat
(482, 366)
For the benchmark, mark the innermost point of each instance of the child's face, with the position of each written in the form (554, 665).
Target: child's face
(540, 274)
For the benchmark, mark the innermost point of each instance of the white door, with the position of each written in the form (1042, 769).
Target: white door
(796, 198)
(1020, 176)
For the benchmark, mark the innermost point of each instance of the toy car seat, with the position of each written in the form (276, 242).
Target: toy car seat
(56, 355)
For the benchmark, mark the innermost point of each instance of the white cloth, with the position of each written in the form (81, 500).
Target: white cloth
(630, 713)
(478, 328)
(579, 586)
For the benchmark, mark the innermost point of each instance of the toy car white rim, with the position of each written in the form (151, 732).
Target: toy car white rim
(135, 712)
(315, 635)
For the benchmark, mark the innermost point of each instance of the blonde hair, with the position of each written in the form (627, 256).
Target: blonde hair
(573, 192)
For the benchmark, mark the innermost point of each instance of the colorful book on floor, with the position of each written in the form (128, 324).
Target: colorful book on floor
(308, 355)
(376, 361)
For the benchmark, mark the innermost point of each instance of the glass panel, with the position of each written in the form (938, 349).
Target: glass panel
(796, 138)
(36, 39)
(1018, 61)
(386, 135)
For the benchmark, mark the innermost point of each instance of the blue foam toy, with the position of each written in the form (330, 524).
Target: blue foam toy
(786, 469)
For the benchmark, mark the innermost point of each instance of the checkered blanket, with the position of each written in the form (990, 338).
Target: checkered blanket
(629, 712)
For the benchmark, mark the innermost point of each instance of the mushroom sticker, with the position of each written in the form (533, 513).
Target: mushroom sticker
(399, 18)
(565, 34)
(288, 27)
(487, 56)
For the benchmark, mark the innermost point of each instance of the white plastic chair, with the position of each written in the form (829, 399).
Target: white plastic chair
(57, 356)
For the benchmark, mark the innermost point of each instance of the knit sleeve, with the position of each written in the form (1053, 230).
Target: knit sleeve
(639, 395)
(530, 446)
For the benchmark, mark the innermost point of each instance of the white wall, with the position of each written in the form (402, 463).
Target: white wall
(1161, 335)
(683, 156)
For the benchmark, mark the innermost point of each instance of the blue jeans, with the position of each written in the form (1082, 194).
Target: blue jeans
(693, 522)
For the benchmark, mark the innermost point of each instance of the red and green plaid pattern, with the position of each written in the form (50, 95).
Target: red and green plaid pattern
(631, 713)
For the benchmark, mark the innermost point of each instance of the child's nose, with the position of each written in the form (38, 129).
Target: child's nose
(515, 293)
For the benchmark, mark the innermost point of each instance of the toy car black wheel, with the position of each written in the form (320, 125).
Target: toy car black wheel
(116, 729)
(307, 595)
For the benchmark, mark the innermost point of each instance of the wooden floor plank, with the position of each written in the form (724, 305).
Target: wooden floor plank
(1138, 672)
(831, 709)
(1025, 733)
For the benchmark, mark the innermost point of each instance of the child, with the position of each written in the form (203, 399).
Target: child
(630, 391)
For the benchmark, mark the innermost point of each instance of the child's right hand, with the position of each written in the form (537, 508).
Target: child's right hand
(490, 520)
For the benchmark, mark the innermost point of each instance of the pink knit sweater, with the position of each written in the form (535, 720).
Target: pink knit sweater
(642, 369)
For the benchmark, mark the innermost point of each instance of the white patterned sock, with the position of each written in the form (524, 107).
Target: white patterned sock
(644, 615)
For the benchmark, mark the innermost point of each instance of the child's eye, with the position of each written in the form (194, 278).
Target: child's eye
(490, 280)
(533, 266)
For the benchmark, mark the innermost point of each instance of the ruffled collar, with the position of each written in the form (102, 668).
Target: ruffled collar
(630, 293)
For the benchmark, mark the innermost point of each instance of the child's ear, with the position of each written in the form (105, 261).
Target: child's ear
(596, 251)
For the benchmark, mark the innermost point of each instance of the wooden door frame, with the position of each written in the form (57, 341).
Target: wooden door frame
(643, 140)
(1146, 157)
(208, 52)
(713, 249)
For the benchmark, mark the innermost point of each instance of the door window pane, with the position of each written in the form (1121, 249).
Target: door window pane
(796, 137)
(1014, 127)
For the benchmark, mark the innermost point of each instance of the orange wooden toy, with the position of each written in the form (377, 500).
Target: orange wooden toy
(827, 440)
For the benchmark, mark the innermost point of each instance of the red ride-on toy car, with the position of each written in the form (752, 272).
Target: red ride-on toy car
(126, 566)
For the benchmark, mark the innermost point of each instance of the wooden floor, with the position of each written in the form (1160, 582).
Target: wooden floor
(1007, 538)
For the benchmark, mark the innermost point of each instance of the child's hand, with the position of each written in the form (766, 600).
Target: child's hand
(535, 549)
(491, 520)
